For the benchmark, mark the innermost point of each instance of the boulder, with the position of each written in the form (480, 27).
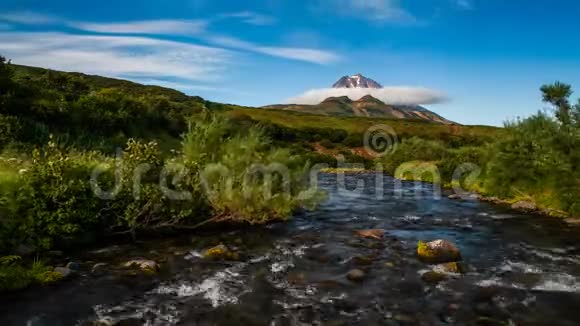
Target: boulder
(142, 264)
(438, 252)
(220, 252)
(356, 275)
(371, 234)
(454, 196)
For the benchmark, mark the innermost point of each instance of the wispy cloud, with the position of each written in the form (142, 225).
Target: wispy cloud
(155, 27)
(464, 4)
(26, 17)
(116, 56)
(129, 48)
(302, 54)
(389, 11)
(186, 87)
(402, 95)
(197, 29)
(252, 18)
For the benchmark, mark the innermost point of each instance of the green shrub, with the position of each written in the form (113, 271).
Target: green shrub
(414, 149)
(238, 171)
(14, 275)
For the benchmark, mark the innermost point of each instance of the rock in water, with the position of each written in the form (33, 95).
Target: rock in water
(220, 252)
(438, 252)
(372, 233)
(143, 264)
(356, 275)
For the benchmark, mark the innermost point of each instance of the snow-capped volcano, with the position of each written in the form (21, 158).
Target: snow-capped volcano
(356, 81)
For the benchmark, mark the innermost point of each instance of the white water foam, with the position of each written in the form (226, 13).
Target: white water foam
(559, 283)
(510, 266)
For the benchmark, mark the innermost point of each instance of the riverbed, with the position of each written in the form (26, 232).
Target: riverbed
(518, 269)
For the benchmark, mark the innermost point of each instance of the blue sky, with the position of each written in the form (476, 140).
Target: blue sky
(487, 57)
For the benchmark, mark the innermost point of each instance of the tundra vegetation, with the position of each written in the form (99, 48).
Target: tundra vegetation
(224, 162)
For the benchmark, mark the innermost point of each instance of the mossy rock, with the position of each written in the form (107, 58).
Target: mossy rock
(220, 252)
(438, 252)
(147, 266)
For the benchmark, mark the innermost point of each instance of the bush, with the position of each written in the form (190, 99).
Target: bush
(531, 160)
(244, 178)
(53, 199)
(414, 149)
(14, 275)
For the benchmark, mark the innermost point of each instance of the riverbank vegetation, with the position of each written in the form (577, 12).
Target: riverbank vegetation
(72, 146)
(537, 158)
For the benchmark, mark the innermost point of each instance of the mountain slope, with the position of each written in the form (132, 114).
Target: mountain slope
(366, 106)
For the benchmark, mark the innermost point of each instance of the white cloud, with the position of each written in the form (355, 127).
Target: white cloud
(26, 17)
(372, 10)
(294, 53)
(159, 27)
(252, 18)
(402, 95)
(115, 56)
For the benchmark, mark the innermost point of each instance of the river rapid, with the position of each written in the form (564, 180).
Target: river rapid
(519, 270)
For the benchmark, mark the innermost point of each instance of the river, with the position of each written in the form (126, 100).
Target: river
(520, 270)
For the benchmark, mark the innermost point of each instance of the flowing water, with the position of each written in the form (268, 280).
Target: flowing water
(520, 270)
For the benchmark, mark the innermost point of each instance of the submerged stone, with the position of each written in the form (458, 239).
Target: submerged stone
(99, 268)
(433, 277)
(363, 260)
(356, 275)
(453, 267)
(438, 252)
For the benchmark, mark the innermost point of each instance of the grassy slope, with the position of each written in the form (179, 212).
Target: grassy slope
(289, 119)
(359, 125)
